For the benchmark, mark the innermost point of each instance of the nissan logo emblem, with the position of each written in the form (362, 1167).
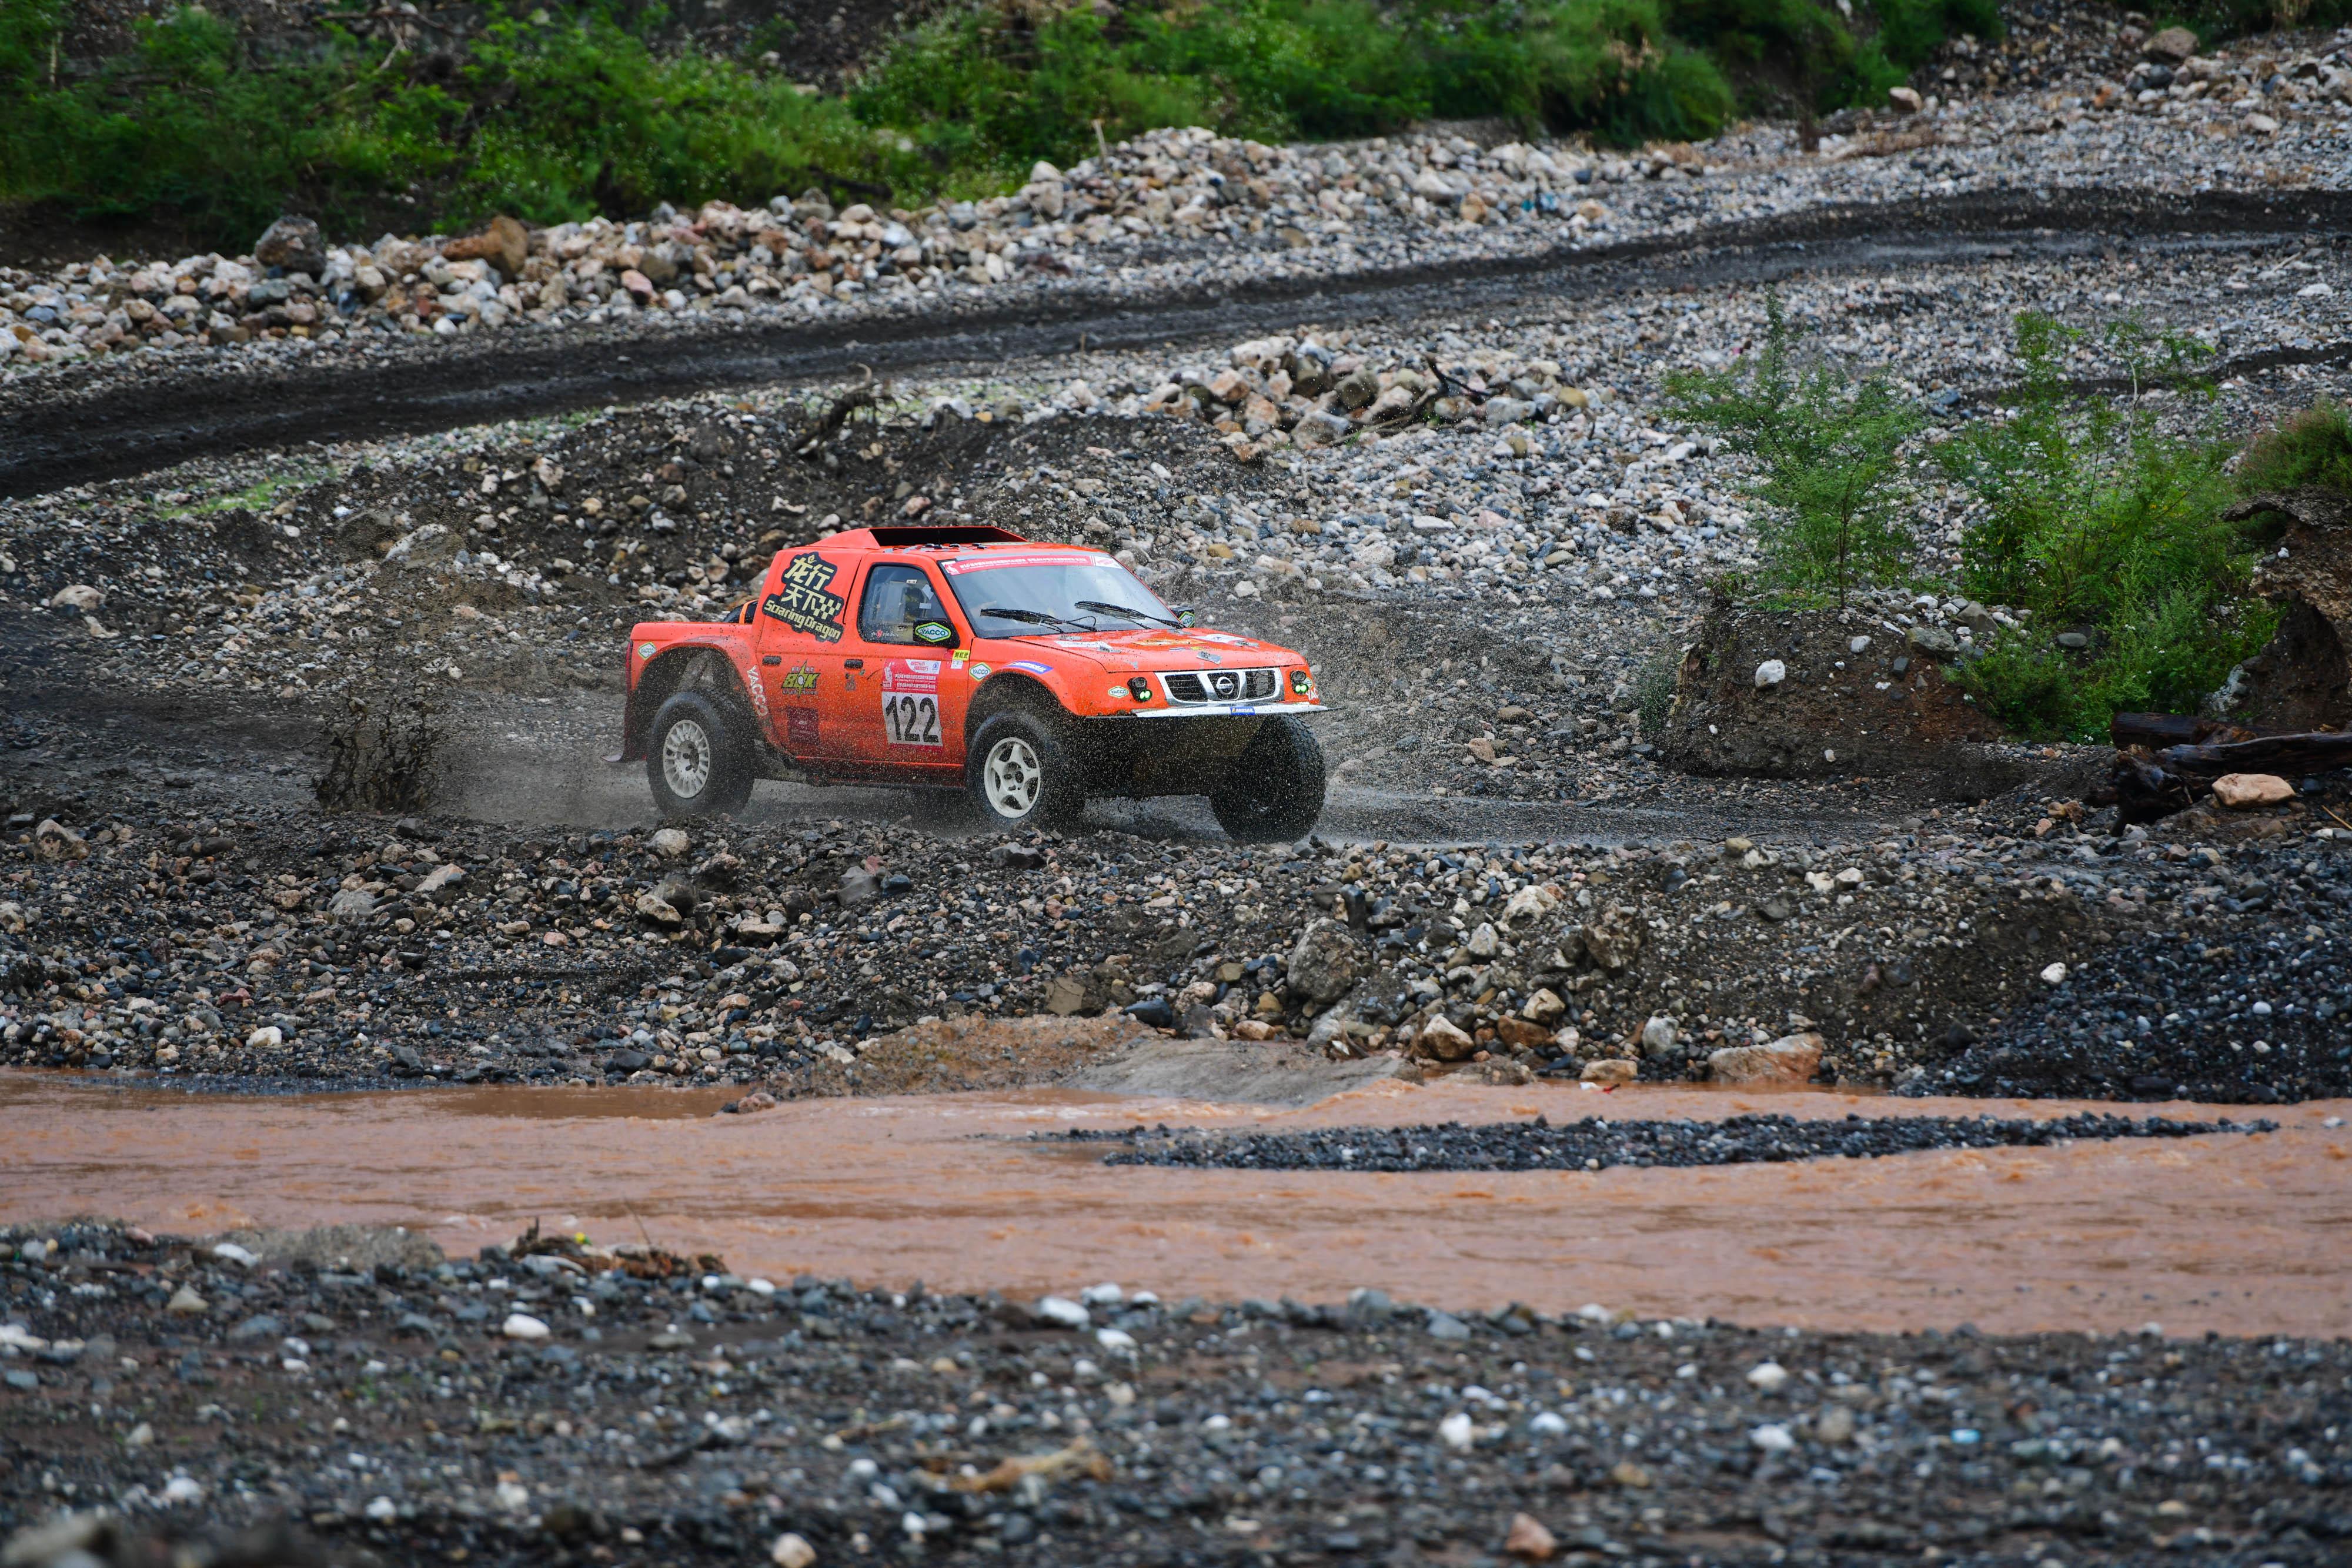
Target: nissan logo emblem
(1226, 684)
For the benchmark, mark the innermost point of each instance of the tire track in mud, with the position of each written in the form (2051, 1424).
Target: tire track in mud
(215, 408)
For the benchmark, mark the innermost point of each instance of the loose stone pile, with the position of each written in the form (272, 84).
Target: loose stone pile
(1166, 208)
(1594, 1143)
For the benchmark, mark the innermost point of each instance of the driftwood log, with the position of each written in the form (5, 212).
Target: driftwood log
(2166, 762)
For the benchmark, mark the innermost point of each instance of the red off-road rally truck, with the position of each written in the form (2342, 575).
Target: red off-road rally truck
(1032, 675)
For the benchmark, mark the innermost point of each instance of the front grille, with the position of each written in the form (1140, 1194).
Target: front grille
(1187, 687)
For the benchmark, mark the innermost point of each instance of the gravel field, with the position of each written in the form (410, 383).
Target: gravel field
(354, 1388)
(1399, 404)
(1596, 1143)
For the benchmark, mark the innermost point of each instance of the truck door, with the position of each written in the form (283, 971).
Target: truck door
(907, 710)
(803, 617)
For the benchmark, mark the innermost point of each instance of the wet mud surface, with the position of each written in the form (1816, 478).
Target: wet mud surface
(2230, 1233)
(47, 440)
(1597, 1144)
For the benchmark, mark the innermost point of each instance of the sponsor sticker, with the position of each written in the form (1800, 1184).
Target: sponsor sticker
(1241, 710)
(803, 600)
(911, 675)
(1032, 665)
(934, 632)
(799, 678)
(991, 562)
(799, 730)
(980, 672)
(645, 650)
(960, 658)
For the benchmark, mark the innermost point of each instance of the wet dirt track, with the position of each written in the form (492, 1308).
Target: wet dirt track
(51, 441)
(2230, 1234)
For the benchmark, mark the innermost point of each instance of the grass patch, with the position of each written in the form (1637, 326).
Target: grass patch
(560, 112)
(2310, 449)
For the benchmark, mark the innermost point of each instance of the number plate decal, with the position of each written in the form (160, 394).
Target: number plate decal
(910, 704)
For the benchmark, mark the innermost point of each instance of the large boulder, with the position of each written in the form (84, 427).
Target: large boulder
(1789, 1062)
(1324, 964)
(293, 243)
(505, 244)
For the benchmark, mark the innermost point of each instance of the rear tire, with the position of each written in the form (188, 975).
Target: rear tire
(1022, 774)
(698, 759)
(1274, 791)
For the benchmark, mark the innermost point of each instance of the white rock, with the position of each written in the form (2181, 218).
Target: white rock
(792, 1551)
(269, 1037)
(1858, 645)
(1062, 1312)
(522, 1325)
(236, 1254)
(1118, 1341)
(1103, 1295)
(1770, 673)
(2055, 975)
(1772, 1437)
(1767, 1375)
(1658, 1035)
(183, 1489)
(1546, 1423)
(671, 843)
(382, 1510)
(1456, 1431)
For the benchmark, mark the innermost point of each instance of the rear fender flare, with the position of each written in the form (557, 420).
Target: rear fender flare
(689, 666)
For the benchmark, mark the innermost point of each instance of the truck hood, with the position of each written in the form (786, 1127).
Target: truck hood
(1156, 649)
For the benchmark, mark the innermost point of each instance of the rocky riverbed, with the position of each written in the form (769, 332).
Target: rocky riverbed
(367, 1400)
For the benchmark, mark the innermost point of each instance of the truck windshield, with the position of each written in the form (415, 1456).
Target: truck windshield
(1089, 594)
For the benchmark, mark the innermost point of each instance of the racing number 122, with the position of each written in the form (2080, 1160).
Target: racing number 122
(911, 721)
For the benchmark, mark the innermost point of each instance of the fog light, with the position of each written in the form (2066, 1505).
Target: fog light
(1139, 689)
(1301, 683)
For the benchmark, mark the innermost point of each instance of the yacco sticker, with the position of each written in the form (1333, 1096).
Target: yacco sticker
(980, 672)
(1032, 665)
(909, 676)
(645, 650)
(935, 631)
(802, 600)
(799, 730)
(799, 678)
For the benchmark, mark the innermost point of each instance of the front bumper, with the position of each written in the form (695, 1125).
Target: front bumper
(1221, 710)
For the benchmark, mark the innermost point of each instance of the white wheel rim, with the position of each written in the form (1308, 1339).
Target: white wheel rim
(685, 758)
(1013, 777)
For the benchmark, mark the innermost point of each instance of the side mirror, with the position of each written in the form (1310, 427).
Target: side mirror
(937, 633)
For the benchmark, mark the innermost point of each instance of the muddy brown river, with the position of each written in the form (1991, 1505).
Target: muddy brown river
(2236, 1233)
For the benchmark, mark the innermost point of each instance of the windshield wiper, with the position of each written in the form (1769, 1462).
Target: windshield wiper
(1034, 618)
(1126, 612)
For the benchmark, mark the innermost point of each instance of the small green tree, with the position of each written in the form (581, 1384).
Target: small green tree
(1828, 451)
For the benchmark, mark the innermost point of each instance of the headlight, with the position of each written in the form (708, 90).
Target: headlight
(1139, 688)
(1301, 683)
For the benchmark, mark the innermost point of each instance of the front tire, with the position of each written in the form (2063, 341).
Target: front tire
(1022, 774)
(1274, 791)
(698, 759)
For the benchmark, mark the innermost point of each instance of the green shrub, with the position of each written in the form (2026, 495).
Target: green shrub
(2310, 448)
(1827, 453)
(559, 112)
(2097, 521)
